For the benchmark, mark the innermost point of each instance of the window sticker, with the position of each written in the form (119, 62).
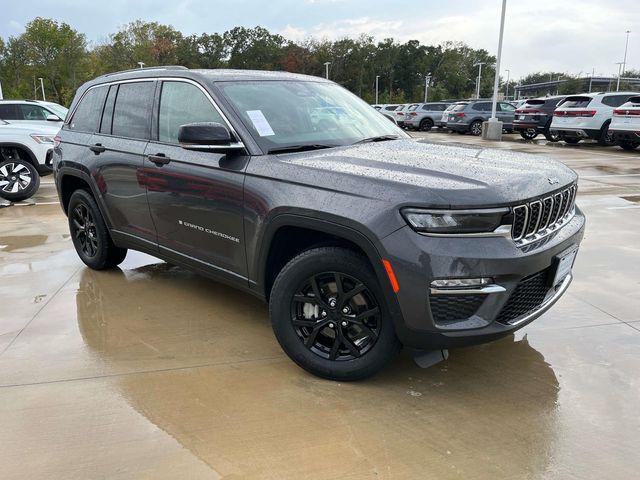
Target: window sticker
(260, 123)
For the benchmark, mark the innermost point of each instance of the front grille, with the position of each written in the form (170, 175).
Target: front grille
(527, 296)
(449, 308)
(536, 219)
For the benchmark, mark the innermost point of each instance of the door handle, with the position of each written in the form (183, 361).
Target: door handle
(97, 148)
(159, 159)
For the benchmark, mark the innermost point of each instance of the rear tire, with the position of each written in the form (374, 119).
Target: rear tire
(90, 235)
(476, 128)
(628, 145)
(571, 140)
(19, 180)
(552, 136)
(426, 124)
(529, 133)
(325, 328)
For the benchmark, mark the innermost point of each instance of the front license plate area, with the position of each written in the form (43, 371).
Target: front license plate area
(564, 264)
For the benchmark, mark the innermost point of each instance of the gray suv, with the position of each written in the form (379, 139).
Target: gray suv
(292, 189)
(467, 117)
(424, 116)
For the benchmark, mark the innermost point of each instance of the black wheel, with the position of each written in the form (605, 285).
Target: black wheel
(529, 133)
(426, 124)
(606, 137)
(628, 144)
(552, 136)
(476, 128)
(90, 235)
(571, 140)
(329, 316)
(19, 180)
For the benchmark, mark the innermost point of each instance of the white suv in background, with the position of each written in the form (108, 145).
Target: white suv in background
(26, 152)
(32, 112)
(588, 116)
(625, 124)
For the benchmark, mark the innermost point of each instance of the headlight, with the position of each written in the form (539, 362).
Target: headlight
(450, 222)
(42, 138)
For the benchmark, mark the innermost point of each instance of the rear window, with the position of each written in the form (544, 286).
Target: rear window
(132, 111)
(391, 108)
(634, 100)
(87, 115)
(615, 100)
(534, 102)
(575, 102)
(412, 107)
(458, 107)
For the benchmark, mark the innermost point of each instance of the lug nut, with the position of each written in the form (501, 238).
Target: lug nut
(331, 325)
(324, 314)
(345, 310)
(332, 302)
(344, 324)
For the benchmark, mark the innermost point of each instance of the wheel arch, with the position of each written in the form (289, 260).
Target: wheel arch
(31, 157)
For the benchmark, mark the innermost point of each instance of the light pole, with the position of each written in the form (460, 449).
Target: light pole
(377, 77)
(326, 70)
(141, 64)
(624, 60)
(492, 130)
(506, 94)
(427, 79)
(620, 64)
(44, 99)
(1, 97)
(479, 65)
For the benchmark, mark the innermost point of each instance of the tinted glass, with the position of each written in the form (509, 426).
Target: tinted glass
(59, 110)
(132, 111)
(615, 100)
(34, 112)
(482, 106)
(10, 112)
(182, 103)
(459, 107)
(575, 102)
(87, 115)
(107, 115)
(506, 107)
(391, 107)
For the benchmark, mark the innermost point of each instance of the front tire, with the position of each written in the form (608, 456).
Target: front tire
(89, 233)
(328, 314)
(19, 180)
(426, 124)
(476, 128)
(529, 133)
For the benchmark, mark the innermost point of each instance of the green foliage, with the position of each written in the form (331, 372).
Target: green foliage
(60, 55)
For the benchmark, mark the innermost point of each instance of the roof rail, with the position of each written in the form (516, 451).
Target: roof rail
(159, 67)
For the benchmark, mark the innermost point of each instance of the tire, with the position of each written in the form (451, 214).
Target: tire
(426, 124)
(552, 136)
(476, 128)
(571, 140)
(628, 144)
(606, 138)
(89, 233)
(309, 329)
(19, 180)
(529, 133)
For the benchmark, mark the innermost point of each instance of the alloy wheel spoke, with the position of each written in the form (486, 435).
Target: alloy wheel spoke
(349, 344)
(369, 313)
(299, 322)
(333, 354)
(314, 333)
(317, 293)
(359, 288)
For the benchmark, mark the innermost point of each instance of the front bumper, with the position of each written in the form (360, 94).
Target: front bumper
(418, 260)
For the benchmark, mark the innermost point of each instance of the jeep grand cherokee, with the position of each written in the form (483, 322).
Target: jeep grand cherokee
(287, 186)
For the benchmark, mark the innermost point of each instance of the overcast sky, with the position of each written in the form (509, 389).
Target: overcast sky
(567, 36)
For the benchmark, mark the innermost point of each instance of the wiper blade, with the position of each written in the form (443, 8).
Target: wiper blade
(379, 138)
(300, 148)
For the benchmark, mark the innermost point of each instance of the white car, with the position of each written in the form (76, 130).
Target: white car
(32, 112)
(588, 116)
(26, 152)
(625, 124)
(445, 115)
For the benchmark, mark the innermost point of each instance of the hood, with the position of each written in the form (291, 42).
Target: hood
(433, 174)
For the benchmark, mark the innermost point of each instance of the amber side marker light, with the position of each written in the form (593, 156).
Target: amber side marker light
(392, 276)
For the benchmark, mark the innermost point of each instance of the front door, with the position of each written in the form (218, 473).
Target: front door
(195, 197)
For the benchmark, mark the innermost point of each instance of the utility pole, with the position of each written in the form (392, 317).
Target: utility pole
(377, 77)
(427, 79)
(623, 65)
(619, 74)
(492, 130)
(506, 94)
(479, 65)
(326, 70)
(44, 98)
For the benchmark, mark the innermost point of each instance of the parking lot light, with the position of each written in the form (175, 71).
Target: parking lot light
(326, 70)
(479, 79)
(492, 130)
(377, 78)
(427, 79)
(506, 94)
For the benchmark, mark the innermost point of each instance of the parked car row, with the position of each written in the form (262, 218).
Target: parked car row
(27, 132)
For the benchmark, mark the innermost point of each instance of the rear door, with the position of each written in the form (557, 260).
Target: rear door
(195, 197)
(120, 143)
(505, 113)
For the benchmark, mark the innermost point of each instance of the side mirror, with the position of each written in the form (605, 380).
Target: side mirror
(206, 136)
(53, 118)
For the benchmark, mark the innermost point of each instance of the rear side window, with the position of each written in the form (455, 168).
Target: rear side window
(575, 102)
(10, 111)
(88, 112)
(107, 115)
(132, 110)
(482, 106)
(615, 100)
(182, 103)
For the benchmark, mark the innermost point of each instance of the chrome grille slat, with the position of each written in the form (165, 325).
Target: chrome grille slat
(537, 219)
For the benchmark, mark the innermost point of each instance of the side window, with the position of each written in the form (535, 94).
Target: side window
(482, 106)
(132, 110)
(507, 107)
(428, 107)
(9, 111)
(33, 112)
(87, 114)
(182, 103)
(107, 115)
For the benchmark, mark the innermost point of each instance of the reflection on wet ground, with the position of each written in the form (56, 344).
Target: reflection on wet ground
(150, 371)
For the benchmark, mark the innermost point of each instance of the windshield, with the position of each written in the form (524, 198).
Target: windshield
(59, 110)
(286, 113)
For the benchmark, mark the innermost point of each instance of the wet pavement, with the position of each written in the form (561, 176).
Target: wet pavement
(151, 371)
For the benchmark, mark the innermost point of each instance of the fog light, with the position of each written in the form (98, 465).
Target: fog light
(461, 282)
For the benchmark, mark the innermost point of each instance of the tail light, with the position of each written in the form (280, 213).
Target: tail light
(56, 141)
(574, 113)
(529, 110)
(623, 113)
(413, 114)
(460, 115)
(400, 113)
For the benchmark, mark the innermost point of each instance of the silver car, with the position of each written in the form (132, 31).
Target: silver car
(424, 116)
(467, 117)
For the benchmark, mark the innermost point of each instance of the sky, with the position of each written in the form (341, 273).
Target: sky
(573, 37)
